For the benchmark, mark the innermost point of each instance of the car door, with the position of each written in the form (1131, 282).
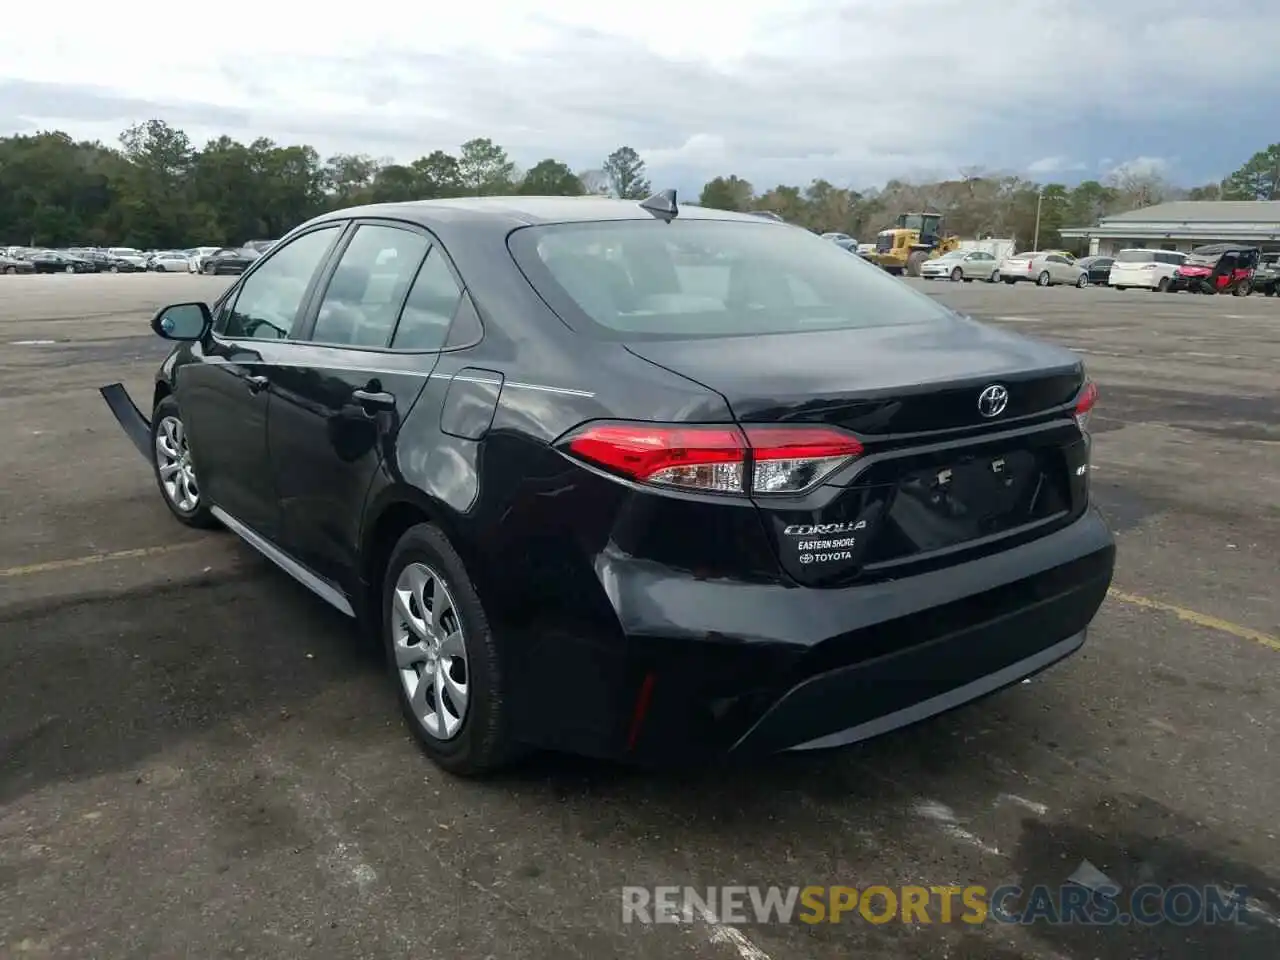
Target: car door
(224, 393)
(370, 344)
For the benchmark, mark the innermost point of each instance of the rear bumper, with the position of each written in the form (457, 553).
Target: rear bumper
(709, 669)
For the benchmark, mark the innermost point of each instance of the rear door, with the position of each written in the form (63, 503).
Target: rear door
(369, 345)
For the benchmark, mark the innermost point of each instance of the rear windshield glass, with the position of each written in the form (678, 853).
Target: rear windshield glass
(1135, 256)
(645, 279)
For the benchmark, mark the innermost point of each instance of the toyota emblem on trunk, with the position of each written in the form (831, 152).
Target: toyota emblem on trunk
(992, 400)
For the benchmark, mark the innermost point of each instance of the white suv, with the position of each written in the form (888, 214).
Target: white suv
(1139, 267)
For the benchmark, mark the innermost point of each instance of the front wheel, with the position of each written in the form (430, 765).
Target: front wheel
(995, 277)
(70, 268)
(1010, 281)
(210, 269)
(175, 472)
(1044, 279)
(1082, 281)
(957, 275)
(442, 655)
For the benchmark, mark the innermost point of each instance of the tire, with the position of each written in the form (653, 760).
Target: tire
(995, 277)
(1044, 280)
(1083, 281)
(12, 270)
(1243, 289)
(915, 261)
(113, 269)
(1162, 286)
(169, 447)
(1010, 281)
(159, 268)
(70, 268)
(957, 275)
(1119, 288)
(481, 740)
(210, 270)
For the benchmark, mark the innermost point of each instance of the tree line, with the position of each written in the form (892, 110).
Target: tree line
(157, 189)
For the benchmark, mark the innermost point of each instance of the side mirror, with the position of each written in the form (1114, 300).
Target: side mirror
(182, 321)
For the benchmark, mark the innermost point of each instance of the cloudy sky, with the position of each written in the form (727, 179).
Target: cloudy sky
(855, 91)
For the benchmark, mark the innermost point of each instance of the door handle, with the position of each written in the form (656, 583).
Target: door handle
(257, 384)
(374, 399)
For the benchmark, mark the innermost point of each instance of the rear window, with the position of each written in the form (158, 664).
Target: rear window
(645, 279)
(1135, 256)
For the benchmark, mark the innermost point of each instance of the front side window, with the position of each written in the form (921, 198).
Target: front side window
(645, 279)
(364, 295)
(271, 297)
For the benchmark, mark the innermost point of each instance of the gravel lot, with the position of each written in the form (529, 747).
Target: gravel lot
(198, 759)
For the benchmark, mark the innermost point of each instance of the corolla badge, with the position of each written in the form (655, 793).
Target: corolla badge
(992, 400)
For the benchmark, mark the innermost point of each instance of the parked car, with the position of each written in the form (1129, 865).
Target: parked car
(842, 240)
(1043, 269)
(53, 261)
(229, 260)
(196, 257)
(964, 265)
(1218, 268)
(1150, 269)
(11, 265)
(1098, 268)
(630, 508)
(1266, 278)
(168, 261)
(131, 254)
(105, 263)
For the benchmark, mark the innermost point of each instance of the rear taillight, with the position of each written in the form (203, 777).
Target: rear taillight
(1085, 400)
(714, 459)
(1031, 264)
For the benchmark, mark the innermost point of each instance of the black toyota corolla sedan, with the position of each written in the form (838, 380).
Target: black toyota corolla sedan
(635, 481)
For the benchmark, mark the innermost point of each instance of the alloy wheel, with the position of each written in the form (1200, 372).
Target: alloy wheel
(430, 650)
(173, 461)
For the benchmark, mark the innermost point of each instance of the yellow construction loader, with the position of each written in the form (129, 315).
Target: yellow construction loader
(913, 239)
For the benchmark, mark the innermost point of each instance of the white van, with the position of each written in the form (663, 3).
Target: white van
(1139, 267)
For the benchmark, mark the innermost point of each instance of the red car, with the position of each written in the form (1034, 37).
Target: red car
(1218, 268)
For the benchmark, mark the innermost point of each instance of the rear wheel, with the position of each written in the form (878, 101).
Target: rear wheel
(1163, 285)
(113, 269)
(174, 469)
(995, 277)
(442, 655)
(1010, 281)
(209, 269)
(71, 268)
(1243, 288)
(1044, 279)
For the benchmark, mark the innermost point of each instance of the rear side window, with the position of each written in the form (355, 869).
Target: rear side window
(428, 311)
(1135, 256)
(368, 286)
(645, 279)
(1168, 256)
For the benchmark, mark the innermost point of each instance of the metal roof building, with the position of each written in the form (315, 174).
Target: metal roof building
(1185, 224)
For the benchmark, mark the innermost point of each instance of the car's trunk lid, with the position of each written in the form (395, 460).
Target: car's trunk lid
(941, 473)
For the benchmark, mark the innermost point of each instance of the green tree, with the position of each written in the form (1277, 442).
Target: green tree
(727, 193)
(625, 171)
(484, 168)
(551, 178)
(1258, 179)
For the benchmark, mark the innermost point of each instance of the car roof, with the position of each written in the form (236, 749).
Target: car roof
(513, 212)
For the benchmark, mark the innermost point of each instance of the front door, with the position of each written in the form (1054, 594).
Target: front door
(365, 354)
(225, 393)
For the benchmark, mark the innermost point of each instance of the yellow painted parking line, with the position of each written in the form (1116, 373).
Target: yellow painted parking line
(1199, 619)
(96, 558)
